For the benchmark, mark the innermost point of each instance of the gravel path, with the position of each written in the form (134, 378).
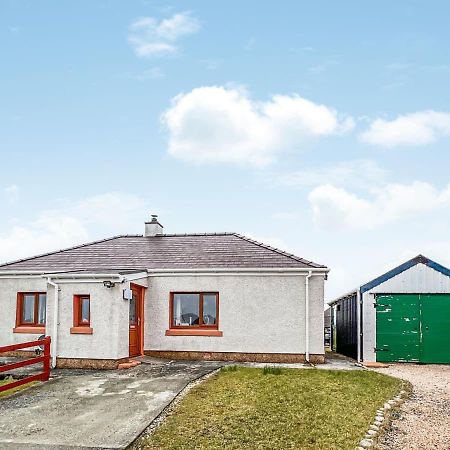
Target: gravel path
(424, 419)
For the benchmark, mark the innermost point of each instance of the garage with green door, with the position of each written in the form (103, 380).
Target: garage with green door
(413, 328)
(401, 316)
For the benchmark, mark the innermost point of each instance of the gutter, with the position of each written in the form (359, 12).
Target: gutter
(240, 269)
(342, 297)
(153, 272)
(307, 315)
(55, 321)
(64, 276)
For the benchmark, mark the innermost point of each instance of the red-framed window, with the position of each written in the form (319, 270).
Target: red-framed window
(81, 311)
(194, 310)
(81, 315)
(31, 309)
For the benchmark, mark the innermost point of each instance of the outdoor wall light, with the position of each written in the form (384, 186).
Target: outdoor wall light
(109, 284)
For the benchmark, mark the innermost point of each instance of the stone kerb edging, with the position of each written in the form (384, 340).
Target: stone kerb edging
(382, 417)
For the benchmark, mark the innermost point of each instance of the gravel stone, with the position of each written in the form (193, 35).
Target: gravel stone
(423, 421)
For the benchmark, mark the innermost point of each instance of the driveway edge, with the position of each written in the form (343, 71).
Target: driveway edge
(383, 417)
(138, 443)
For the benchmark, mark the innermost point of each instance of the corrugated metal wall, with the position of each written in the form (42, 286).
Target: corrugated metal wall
(418, 279)
(346, 327)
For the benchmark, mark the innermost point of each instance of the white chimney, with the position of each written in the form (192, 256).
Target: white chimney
(153, 228)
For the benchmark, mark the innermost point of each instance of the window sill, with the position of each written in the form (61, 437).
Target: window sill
(29, 330)
(197, 332)
(81, 330)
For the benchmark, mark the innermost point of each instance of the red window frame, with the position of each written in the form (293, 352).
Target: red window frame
(200, 325)
(19, 311)
(81, 326)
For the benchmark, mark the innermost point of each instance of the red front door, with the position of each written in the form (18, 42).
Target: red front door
(136, 310)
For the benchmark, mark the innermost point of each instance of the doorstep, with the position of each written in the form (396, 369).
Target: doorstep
(128, 364)
(375, 365)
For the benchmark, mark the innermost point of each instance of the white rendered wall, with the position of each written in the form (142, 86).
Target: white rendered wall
(419, 279)
(8, 302)
(109, 318)
(258, 314)
(109, 322)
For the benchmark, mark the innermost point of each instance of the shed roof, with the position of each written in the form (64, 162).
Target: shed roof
(419, 259)
(167, 251)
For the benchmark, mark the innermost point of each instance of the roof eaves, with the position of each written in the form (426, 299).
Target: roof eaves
(8, 263)
(194, 234)
(343, 297)
(281, 252)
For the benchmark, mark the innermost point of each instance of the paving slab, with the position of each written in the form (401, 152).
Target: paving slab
(333, 361)
(94, 409)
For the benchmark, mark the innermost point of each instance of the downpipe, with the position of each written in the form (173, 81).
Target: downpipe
(55, 321)
(307, 315)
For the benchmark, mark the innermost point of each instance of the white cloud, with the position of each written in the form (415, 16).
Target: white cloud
(218, 124)
(42, 235)
(336, 208)
(12, 193)
(356, 172)
(152, 37)
(414, 129)
(95, 217)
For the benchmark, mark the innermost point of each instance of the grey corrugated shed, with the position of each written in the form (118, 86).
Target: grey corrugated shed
(168, 251)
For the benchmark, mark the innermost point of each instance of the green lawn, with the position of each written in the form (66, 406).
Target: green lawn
(297, 409)
(11, 391)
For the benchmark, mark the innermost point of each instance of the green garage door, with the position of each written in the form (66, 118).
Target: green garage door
(435, 328)
(412, 327)
(398, 328)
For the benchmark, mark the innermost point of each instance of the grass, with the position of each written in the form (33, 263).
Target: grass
(270, 370)
(248, 408)
(11, 391)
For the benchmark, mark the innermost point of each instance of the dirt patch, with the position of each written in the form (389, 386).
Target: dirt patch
(423, 421)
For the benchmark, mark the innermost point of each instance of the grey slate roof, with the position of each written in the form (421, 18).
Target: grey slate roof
(168, 251)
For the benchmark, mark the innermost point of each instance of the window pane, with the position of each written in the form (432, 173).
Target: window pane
(85, 310)
(133, 310)
(186, 309)
(209, 309)
(41, 308)
(28, 308)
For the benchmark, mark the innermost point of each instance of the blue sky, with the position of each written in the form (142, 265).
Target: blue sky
(318, 127)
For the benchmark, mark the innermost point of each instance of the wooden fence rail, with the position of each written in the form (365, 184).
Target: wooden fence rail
(44, 359)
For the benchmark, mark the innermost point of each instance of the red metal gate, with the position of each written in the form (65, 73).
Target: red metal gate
(44, 359)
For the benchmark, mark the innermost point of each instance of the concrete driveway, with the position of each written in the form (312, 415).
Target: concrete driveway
(424, 419)
(96, 410)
